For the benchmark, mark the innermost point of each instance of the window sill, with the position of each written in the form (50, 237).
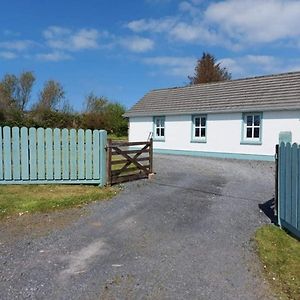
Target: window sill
(203, 141)
(158, 140)
(251, 142)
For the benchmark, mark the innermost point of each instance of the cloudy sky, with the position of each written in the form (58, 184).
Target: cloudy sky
(121, 49)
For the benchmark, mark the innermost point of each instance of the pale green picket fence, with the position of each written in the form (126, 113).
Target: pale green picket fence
(289, 187)
(42, 156)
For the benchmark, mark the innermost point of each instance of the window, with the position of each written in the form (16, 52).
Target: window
(159, 128)
(199, 129)
(252, 127)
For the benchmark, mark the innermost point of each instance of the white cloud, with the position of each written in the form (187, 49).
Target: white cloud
(152, 25)
(232, 24)
(256, 21)
(7, 55)
(172, 65)
(64, 38)
(251, 65)
(19, 45)
(137, 44)
(53, 56)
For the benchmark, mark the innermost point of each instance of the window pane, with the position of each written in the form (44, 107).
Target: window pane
(249, 120)
(162, 122)
(203, 121)
(157, 122)
(197, 122)
(203, 132)
(197, 132)
(162, 132)
(249, 132)
(157, 132)
(256, 132)
(257, 120)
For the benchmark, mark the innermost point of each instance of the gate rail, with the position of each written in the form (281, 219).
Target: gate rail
(126, 163)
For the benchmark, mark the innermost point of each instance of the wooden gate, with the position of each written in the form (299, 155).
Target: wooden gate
(128, 161)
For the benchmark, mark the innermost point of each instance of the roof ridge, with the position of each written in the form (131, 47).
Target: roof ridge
(226, 81)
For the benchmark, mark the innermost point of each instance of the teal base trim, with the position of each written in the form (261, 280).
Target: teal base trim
(216, 154)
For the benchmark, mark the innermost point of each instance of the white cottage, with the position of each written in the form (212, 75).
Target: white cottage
(231, 119)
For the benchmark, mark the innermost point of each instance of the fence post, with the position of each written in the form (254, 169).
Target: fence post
(276, 181)
(103, 142)
(151, 156)
(108, 165)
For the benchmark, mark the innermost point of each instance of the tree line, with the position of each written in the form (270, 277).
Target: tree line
(51, 109)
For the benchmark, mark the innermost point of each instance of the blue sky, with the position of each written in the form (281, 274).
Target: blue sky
(122, 49)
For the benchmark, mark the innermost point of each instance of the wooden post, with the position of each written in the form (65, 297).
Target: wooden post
(151, 156)
(109, 156)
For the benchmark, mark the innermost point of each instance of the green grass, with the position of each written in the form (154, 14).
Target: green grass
(280, 255)
(117, 138)
(19, 199)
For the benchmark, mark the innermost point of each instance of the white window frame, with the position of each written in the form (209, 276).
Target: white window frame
(161, 127)
(253, 126)
(199, 139)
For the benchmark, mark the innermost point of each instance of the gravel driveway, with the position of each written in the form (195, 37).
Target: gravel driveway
(186, 234)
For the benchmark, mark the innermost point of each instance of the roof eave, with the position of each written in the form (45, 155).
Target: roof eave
(238, 110)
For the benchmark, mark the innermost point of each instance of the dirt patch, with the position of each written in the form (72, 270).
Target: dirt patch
(38, 224)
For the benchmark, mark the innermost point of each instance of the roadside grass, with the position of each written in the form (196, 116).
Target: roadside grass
(280, 255)
(20, 199)
(117, 138)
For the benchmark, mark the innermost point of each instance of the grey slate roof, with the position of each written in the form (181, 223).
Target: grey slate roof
(264, 93)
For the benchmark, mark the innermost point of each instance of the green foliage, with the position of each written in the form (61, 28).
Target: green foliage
(208, 70)
(53, 110)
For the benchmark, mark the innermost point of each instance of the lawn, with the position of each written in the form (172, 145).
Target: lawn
(20, 199)
(117, 138)
(280, 255)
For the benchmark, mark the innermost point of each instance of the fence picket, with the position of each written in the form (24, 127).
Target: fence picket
(16, 153)
(81, 173)
(41, 152)
(49, 154)
(57, 154)
(1, 155)
(294, 184)
(288, 191)
(65, 153)
(7, 153)
(88, 154)
(24, 154)
(73, 154)
(32, 154)
(96, 154)
(282, 178)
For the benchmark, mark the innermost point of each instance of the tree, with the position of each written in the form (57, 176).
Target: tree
(208, 70)
(26, 82)
(95, 104)
(115, 122)
(15, 91)
(51, 96)
(8, 92)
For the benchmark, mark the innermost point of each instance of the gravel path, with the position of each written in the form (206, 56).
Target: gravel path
(186, 234)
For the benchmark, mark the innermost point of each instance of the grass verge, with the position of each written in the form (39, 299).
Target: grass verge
(19, 199)
(280, 255)
(118, 138)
